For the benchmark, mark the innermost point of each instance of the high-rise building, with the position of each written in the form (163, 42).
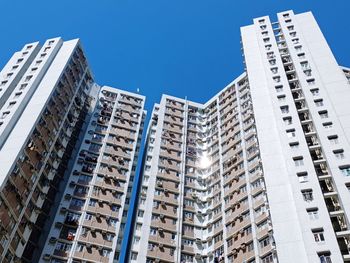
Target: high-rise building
(44, 91)
(89, 223)
(260, 172)
(68, 154)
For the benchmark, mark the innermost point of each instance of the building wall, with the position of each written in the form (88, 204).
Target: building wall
(283, 61)
(259, 173)
(91, 217)
(192, 213)
(36, 150)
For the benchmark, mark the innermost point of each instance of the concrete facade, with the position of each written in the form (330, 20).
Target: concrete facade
(259, 173)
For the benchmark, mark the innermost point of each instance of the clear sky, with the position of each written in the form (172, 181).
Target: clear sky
(178, 47)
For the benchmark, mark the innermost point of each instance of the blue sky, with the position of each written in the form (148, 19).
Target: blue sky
(180, 47)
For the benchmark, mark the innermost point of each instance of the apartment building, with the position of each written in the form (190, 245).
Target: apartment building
(260, 172)
(89, 223)
(68, 151)
(44, 95)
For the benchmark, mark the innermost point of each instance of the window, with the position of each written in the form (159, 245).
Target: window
(303, 177)
(277, 79)
(310, 82)
(294, 145)
(301, 55)
(140, 213)
(345, 170)
(80, 247)
(333, 139)
(318, 235)
(28, 78)
(291, 133)
(315, 92)
(265, 242)
(267, 259)
(328, 125)
(272, 62)
(339, 154)
(281, 98)
(295, 41)
(23, 86)
(5, 114)
(319, 102)
(153, 231)
(307, 195)
(279, 88)
(133, 255)
(307, 72)
(348, 186)
(285, 109)
(88, 217)
(323, 114)
(298, 48)
(288, 120)
(305, 65)
(105, 252)
(11, 104)
(274, 70)
(63, 246)
(268, 47)
(325, 257)
(313, 213)
(17, 94)
(92, 202)
(298, 161)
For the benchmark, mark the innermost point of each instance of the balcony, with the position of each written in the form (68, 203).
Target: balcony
(92, 253)
(301, 106)
(161, 253)
(333, 206)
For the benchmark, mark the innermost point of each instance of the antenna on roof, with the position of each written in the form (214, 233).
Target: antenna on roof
(138, 90)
